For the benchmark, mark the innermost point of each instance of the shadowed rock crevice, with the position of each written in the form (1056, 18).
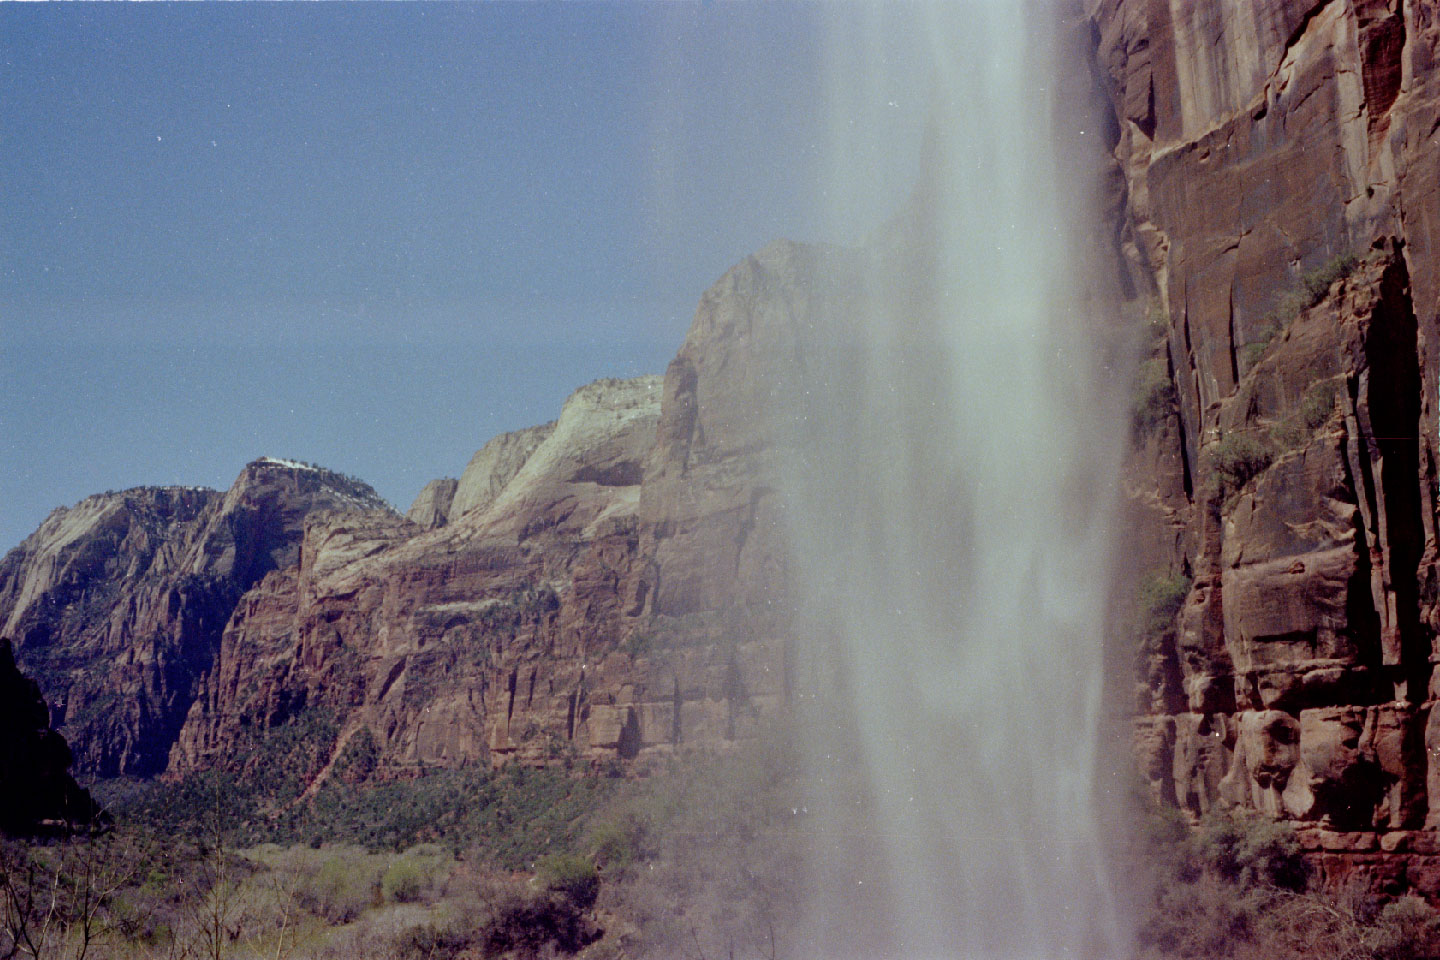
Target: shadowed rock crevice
(36, 789)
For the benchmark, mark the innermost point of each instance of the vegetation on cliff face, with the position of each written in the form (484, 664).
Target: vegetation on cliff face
(1239, 888)
(1234, 460)
(1311, 288)
(1155, 399)
(1161, 596)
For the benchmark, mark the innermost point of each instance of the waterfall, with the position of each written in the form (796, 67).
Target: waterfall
(952, 498)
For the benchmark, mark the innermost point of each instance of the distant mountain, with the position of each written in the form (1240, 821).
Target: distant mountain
(615, 586)
(116, 605)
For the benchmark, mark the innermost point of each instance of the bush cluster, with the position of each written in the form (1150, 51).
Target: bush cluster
(1238, 888)
(1311, 288)
(1235, 459)
(1316, 407)
(571, 876)
(1161, 595)
(511, 817)
(1155, 399)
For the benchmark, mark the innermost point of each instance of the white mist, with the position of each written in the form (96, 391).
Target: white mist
(952, 504)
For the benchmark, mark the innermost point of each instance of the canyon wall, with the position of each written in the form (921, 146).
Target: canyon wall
(602, 589)
(1277, 213)
(116, 605)
(614, 586)
(606, 587)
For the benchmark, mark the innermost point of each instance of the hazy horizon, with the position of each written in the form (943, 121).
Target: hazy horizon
(373, 237)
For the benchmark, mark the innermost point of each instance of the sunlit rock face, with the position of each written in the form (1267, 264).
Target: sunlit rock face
(116, 605)
(603, 601)
(477, 641)
(1293, 479)
(605, 588)
(613, 588)
(432, 507)
(493, 466)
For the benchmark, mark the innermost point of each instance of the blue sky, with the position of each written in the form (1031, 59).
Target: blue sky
(374, 236)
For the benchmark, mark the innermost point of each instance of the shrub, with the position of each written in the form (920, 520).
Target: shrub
(1155, 399)
(1315, 409)
(617, 843)
(404, 881)
(1157, 321)
(1316, 283)
(429, 942)
(1232, 888)
(1161, 596)
(359, 758)
(1318, 403)
(343, 887)
(1408, 929)
(1251, 353)
(572, 877)
(1239, 846)
(1235, 459)
(1311, 288)
(525, 924)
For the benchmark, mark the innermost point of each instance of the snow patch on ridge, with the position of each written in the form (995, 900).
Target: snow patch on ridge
(292, 464)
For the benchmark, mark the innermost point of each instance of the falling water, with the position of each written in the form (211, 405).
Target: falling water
(952, 506)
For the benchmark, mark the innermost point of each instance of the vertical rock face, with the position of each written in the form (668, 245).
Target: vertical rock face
(604, 587)
(493, 636)
(117, 604)
(710, 509)
(431, 508)
(601, 590)
(613, 587)
(1278, 208)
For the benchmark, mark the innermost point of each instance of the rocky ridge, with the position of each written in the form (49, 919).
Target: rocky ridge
(614, 585)
(609, 586)
(116, 605)
(604, 588)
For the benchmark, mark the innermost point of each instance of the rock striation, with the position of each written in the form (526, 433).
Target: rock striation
(607, 587)
(589, 598)
(614, 585)
(1276, 208)
(116, 605)
(431, 508)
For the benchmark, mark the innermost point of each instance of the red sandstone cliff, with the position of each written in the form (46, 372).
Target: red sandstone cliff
(1279, 211)
(614, 584)
(604, 587)
(116, 605)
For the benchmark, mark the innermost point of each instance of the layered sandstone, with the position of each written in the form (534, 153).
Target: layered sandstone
(605, 587)
(116, 605)
(432, 507)
(1278, 211)
(493, 636)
